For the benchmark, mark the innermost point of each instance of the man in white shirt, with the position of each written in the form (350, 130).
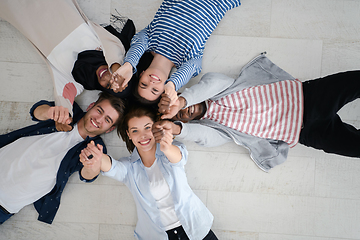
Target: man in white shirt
(36, 161)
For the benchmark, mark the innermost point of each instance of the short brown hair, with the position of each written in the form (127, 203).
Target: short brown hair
(117, 103)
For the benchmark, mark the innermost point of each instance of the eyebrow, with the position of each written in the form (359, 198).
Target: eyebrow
(155, 92)
(136, 127)
(141, 85)
(107, 116)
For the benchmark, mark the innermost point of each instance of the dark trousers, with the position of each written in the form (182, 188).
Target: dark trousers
(179, 234)
(322, 126)
(4, 215)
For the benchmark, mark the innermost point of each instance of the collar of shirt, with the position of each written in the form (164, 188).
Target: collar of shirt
(136, 157)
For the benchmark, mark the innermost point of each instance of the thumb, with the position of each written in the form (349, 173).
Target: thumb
(125, 82)
(166, 116)
(50, 113)
(100, 147)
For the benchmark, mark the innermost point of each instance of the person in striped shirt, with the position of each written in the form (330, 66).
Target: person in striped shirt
(176, 37)
(267, 111)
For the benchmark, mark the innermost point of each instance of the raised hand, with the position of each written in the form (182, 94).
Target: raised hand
(159, 128)
(165, 107)
(166, 138)
(121, 77)
(61, 117)
(171, 92)
(91, 156)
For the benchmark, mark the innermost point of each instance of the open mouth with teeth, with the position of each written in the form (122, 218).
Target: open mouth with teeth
(154, 78)
(102, 72)
(94, 123)
(191, 110)
(145, 142)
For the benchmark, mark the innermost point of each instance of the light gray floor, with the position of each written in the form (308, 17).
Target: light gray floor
(313, 195)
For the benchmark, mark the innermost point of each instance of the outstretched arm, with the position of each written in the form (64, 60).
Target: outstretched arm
(122, 75)
(185, 72)
(165, 138)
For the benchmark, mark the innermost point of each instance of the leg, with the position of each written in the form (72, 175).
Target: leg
(4, 215)
(324, 97)
(332, 136)
(211, 236)
(323, 128)
(177, 234)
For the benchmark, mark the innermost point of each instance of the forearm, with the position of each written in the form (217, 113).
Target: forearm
(183, 102)
(139, 45)
(90, 172)
(210, 85)
(173, 154)
(114, 67)
(185, 72)
(105, 163)
(41, 112)
(176, 128)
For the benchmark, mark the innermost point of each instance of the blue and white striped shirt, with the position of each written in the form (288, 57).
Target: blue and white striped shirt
(179, 32)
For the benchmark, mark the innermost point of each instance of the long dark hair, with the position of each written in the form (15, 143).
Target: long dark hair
(123, 126)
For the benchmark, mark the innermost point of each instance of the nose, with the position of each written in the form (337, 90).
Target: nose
(185, 113)
(100, 119)
(152, 80)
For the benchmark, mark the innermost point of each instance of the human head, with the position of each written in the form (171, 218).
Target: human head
(87, 68)
(117, 103)
(102, 117)
(193, 112)
(135, 111)
(151, 84)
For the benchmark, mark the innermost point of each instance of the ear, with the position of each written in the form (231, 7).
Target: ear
(90, 106)
(141, 74)
(110, 129)
(127, 132)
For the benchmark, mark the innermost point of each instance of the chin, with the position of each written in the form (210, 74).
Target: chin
(145, 148)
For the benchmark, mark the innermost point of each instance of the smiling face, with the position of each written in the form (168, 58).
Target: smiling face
(151, 84)
(190, 113)
(104, 76)
(99, 119)
(139, 132)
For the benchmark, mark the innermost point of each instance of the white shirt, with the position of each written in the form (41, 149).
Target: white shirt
(161, 192)
(28, 167)
(63, 57)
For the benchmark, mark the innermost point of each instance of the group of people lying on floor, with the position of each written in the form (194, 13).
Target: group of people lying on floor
(264, 109)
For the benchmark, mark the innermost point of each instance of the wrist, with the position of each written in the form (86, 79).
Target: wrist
(105, 163)
(183, 103)
(128, 67)
(114, 67)
(176, 128)
(171, 85)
